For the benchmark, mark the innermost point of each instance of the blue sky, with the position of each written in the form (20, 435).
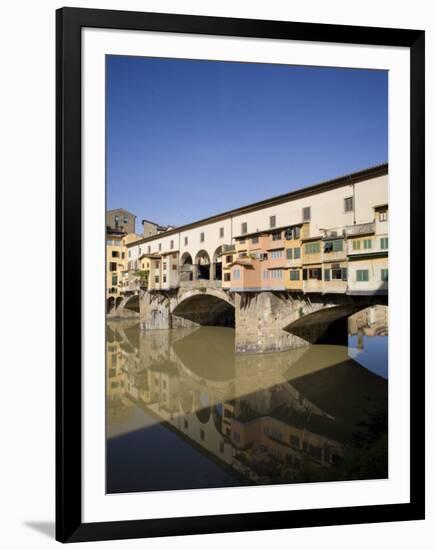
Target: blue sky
(189, 139)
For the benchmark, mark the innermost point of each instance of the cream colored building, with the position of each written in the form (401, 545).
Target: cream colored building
(331, 215)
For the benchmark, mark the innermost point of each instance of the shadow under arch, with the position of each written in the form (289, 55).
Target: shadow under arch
(206, 309)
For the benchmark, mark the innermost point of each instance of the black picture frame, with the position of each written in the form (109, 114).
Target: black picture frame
(69, 525)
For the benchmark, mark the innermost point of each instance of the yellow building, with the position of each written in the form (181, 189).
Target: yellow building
(115, 265)
(294, 275)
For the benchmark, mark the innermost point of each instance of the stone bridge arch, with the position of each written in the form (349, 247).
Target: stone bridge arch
(205, 307)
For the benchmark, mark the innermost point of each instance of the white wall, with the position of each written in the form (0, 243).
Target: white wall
(27, 186)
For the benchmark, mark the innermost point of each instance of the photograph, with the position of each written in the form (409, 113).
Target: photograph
(247, 274)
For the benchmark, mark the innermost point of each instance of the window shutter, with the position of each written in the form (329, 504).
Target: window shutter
(289, 253)
(304, 274)
(326, 274)
(344, 274)
(319, 274)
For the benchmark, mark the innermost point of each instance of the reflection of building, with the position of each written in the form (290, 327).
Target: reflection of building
(269, 419)
(372, 321)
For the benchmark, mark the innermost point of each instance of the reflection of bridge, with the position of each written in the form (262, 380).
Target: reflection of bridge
(244, 410)
(267, 321)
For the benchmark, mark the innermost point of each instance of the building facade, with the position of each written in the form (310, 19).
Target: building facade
(328, 238)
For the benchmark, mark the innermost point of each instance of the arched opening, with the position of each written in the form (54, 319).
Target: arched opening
(186, 268)
(202, 264)
(110, 302)
(118, 301)
(132, 303)
(217, 264)
(204, 309)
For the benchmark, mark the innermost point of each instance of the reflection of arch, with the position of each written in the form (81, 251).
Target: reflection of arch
(118, 301)
(203, 415)
(202, 263)
(110, 303)
(187, 402)
(186, 267)
(217, 265)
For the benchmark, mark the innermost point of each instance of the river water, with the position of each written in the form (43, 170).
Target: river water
(184, 411)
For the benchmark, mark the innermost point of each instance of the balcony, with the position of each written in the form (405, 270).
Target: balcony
(360, 229)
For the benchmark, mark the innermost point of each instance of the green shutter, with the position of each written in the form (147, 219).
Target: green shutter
(326, 274)
(289, 253)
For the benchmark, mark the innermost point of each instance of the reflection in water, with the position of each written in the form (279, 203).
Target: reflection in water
(183, 411)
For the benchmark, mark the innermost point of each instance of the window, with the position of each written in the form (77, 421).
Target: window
(272, 221)
(277, 236)
(244, 227)
(326, 274)
(315, 273)
(384, 243)
(236, 274)
(171, 245)
(164, 278)
(306, 213)
(294, 441)
(367, 243)
(139, 251)
(348, 204)
(236, 436)
(333, 246)
(289, 253)
(202, 435)
(266, 274)
(123, 255)
(115, 254)
(202, 237)
(109, 242)
(148, 249)
(383, 216)
(130, 253)
(164, 266)
(356, 245)
(156, 280)
(337, 273)
(362, 275)
(254, 240)
(125, 219)
(114, 280)
(160, 247)
(112, 266)
(297, 253)
(174, 267)
(186, 241)
(227, 277)
(229, 259)
(312, 248)
(241, 241)
(276, 274)
(221, 232)
(294, 275)
(276, 254)
(385, 275)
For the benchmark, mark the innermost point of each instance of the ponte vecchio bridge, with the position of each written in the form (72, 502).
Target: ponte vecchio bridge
(285, 272)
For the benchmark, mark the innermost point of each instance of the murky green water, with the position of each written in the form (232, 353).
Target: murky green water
(184, 411)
